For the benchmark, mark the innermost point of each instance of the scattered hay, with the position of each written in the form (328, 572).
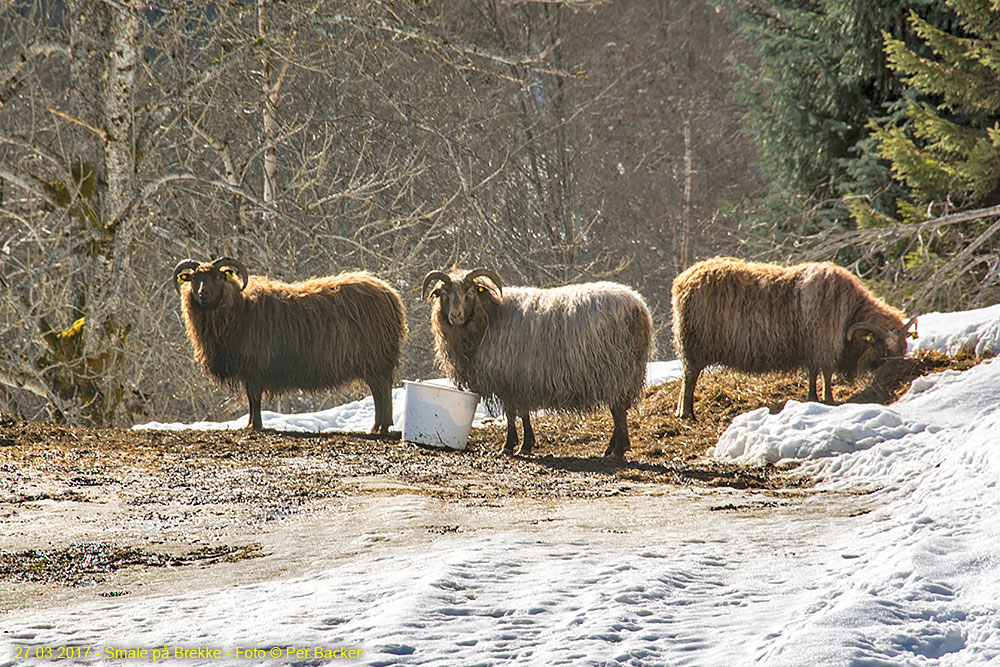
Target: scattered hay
(722, 394)
(893, 378)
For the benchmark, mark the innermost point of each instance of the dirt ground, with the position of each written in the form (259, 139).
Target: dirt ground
(80, 507)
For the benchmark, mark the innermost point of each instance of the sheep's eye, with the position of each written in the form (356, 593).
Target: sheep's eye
(183, 277)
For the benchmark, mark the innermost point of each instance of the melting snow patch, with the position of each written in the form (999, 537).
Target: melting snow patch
(358, 416)
(973, 331)
(809, 431)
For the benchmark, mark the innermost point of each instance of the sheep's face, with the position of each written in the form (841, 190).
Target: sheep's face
(208, 287)
(879, 349)
(462, 298)
(866, 350)
(209, 282)
(459, 302)
(864, 353)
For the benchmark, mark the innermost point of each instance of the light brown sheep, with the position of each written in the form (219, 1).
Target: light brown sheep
(763, 317)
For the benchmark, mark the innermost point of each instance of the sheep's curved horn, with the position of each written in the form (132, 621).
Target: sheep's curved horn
(903, 330)
(236, 264)
(183, 265)
(868, 326)
(486, 273)
(431, 277)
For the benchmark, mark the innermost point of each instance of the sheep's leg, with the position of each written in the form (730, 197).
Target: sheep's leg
(529, 434)
(828, 386)
(619, 437)
(511, 443)
(685, 401)
(253, 396)
(813, 396)
(382, 396)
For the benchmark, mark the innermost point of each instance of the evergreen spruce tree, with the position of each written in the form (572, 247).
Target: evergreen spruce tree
(946, 152)
(816, 75)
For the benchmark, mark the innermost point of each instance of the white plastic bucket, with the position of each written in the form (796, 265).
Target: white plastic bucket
(436, 415)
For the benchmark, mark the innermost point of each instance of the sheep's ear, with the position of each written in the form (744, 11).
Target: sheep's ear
(180, 278)
(183, 271)
(235, 267)
(487, 289)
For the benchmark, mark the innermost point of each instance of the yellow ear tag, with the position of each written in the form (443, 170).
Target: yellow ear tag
(913, 335)
(868, 338)
(482, 289)
(183, 277)
(229, 273)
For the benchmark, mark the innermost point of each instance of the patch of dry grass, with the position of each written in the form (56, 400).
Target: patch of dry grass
(722, 394)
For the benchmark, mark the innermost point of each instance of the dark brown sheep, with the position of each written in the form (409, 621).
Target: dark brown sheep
(763, 317)
(573, 348)
(272, 337)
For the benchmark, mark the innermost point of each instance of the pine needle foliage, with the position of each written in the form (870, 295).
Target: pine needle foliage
(816, 75)
(944, 151)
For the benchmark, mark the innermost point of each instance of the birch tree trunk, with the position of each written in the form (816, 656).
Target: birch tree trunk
(119, 156)
(107, 318)
(82, 98)
(271, 86)
(686, 220)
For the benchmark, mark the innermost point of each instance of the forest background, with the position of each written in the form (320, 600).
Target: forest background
(553, 141)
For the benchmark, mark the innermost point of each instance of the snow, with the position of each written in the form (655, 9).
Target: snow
(360, 415)
(894, 559)
(926, 567)
(975, 331)
(811, 430)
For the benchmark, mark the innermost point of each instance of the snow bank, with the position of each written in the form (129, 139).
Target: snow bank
(805, 431)
(924, 566)
(358, 416)
(974, 331)
(809, 431)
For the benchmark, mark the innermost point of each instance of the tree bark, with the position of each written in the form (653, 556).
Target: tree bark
(271, 86)
(120, 167)
(107, 316)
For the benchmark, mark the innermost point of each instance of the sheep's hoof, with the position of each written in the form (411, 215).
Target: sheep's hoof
(525, 450)
(614, 452)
